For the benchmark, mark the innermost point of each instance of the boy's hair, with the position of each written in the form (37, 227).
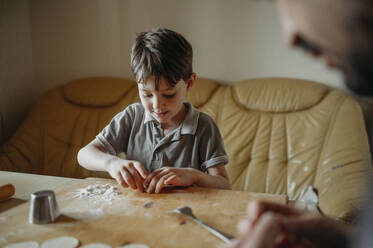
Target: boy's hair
(161, 53)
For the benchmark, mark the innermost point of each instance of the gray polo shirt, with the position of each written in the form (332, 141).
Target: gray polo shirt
(196, 143)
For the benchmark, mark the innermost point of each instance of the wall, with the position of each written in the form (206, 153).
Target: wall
(232, 40)
(17, 88)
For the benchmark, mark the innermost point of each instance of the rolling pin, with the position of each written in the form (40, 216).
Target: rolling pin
(6, 191)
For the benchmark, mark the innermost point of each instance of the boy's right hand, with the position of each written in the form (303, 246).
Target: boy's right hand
(128, 173)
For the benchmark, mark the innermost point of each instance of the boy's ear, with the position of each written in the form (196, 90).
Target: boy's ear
(191, 80)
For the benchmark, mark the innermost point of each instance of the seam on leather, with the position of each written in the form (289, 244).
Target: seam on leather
(16, 147)
(7, 155)
(95, 106)
(269, 150)
(219, 115)
(97, 128)
(286, 152)
(235, 99)
(240, 174)
(246, 168)
(68, 143)
(42, 128)
(254, 140)
(331, 123)
(82, 143)
(211, 95)
(229, 90)
(70, 139)
(22, 155)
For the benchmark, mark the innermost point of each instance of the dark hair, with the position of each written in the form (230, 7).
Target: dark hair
(161, 53)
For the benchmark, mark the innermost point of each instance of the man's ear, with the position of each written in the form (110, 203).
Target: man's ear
(191, 80)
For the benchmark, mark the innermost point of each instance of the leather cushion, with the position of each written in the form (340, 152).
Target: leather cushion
(279, 95)
(97, 92)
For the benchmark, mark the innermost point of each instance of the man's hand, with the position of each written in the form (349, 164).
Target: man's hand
(271, 225)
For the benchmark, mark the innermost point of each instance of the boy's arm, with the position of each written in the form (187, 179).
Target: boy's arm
(216, 177)
(94, 157)
(126, 172)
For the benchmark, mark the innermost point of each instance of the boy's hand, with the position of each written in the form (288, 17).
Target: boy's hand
(170, 176)
(128, 173)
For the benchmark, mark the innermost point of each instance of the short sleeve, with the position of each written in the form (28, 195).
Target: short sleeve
(114, 137)
(211, 145)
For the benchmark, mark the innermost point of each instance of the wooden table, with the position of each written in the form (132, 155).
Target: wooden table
(25, 184)
(134, 217)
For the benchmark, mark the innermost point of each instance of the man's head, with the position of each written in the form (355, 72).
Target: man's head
(161, 53)
(339, 31)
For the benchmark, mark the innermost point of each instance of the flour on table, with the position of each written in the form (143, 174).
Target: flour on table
(2, 219)
(2, 239)
(98, 193)
(27, 244)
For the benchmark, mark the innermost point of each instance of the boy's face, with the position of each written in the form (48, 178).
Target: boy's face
(166, 104)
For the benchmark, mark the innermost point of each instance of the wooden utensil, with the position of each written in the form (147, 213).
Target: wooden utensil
(6, 191)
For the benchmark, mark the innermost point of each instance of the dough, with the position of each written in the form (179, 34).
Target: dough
(61, 242)
(96, 245)
(27, 244)
(135, 245)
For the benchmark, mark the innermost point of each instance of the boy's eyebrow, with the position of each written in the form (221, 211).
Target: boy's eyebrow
(165, 90)
(142, 88)
(169, 88)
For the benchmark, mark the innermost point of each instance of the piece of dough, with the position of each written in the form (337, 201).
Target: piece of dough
(27, 244)
(135, 245)
(61, 242)
(96, 245)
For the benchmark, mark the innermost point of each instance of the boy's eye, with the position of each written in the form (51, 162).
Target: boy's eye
(146, 95)
(169, 96)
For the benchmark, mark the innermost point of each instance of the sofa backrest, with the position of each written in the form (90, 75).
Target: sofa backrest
(282, 135)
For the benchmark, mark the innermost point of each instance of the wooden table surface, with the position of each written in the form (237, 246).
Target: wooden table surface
(134, 217)
(26, 183)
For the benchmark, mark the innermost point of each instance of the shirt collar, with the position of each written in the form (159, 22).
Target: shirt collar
(190, 123)
(148, 117)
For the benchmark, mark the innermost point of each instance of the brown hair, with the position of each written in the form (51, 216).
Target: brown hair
(161, 53)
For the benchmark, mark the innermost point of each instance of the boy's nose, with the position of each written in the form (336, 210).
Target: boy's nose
(157, 104)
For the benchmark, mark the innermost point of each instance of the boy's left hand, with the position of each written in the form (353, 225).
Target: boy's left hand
(170, 176)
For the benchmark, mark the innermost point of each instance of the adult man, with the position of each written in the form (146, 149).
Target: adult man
(341, 33)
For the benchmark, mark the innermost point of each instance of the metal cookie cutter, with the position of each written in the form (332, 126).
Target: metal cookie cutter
(43, 207)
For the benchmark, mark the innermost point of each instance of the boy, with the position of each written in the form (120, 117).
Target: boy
(162, 136)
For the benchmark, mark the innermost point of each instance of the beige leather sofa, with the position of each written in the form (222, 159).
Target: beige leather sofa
(282, 135)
